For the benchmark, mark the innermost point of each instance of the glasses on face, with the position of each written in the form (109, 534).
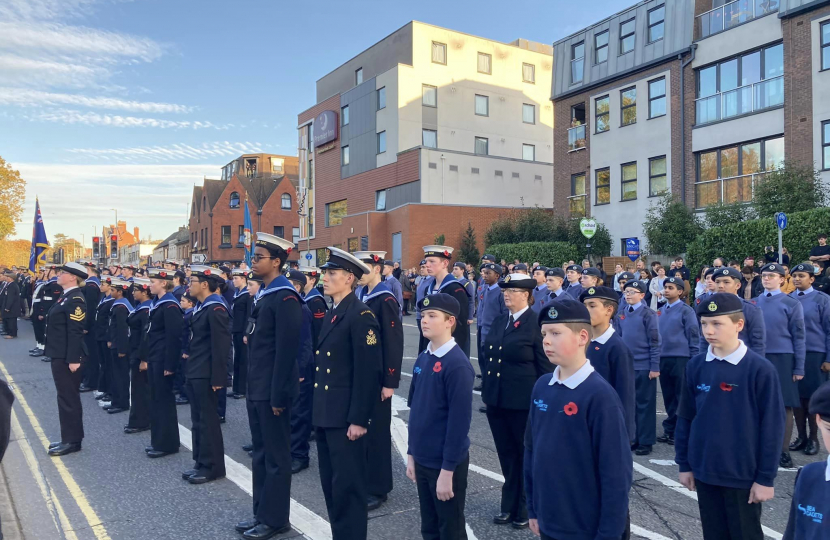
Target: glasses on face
(257, 257)
(513, 291)
(631, 293)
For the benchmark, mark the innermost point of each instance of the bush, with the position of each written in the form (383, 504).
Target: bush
(793, 188)
(738, 240)
(670, 226)
(468, 250)
(720, 215)
(546, 253)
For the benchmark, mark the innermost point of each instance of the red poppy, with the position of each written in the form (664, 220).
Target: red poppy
(207, 271)
(726, 387)
(446, 253)
(163, 274)
(659, 313)
(622, 317)
(334, 318)
(391, 371)
(437, 367)
(571, 409)
(288, 250)
(516, 324)
(596, 348)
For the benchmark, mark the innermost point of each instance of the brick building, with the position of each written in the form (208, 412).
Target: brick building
(269, 182)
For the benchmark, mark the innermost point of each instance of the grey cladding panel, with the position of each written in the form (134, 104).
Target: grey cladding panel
(405, 193)
(360, 134)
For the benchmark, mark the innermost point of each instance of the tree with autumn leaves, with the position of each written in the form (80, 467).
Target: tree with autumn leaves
(12, 195)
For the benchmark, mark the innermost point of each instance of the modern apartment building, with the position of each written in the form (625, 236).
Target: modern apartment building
(421, 133)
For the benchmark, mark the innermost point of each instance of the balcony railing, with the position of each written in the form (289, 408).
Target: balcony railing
(742, 100)
(576, 138)
(735, 189)
(732, 14)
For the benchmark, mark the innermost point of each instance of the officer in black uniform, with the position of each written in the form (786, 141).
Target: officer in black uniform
(241, 304)
(92, 294)
(65, 346)
(273, 384)
(40, 307)
(10, 304)
(118, 341)
(206, 374)
(380, 298)
(347, 384)
(99, 329)
(138, 321)
(301, 408)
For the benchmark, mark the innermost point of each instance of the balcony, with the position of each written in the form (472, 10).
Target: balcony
(731, 15)
(576, 138)
(742, 100)
(736, 189)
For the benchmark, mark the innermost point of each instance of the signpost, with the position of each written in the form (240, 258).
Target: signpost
(588, 227)
(781, 220)
(198, 258)
(632, 248)
(308, 256)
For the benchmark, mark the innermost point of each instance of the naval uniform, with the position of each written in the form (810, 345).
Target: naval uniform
(118, 337)
(10, 303)
(241, 310)
(45, 296)
(317, 304)
(454, 288)
(139, 390)
(102, 317)
(301, 408)
(349, 359)
(164, 339)
(92, 369)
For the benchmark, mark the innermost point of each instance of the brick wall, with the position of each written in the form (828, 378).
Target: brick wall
(690, 84)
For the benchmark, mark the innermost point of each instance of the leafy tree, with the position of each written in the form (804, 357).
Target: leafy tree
(15, 252)
(670, 226)
(546, 253)
(719, 215)
(468, 252)
(439, 239)
(793, 188)
(12, 195)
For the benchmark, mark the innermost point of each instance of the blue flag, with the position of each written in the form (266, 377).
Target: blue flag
(39, 241)
(247, 235)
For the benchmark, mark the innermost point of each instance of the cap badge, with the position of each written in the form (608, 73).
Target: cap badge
(772, 267)
(725, 271)
(713, 306)
(507, 279)
(552, 313)
(591, 291)
(426, 302)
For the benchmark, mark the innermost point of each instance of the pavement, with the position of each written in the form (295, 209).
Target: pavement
(111, 490)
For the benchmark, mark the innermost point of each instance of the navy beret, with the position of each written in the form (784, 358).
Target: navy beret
(441, 302)
(774, 268)
(720, 304)
(626, 276)
(727, 272)
(603, 293)
(564, 310)
(423, 262)
(677, 282)
(520, 266)
(555, 272)
(492, 266)
(489, 258)
(458, 264)
(591, 272)
(820, 402)
(540, 268)
(296, 275)
(574, 268)
(636, 284)
(709, 271)
(808, 268)
(389, 262)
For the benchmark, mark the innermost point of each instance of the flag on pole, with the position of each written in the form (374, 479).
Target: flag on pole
(247, 234)
(39, 241)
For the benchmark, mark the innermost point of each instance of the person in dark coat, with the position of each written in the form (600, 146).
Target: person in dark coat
(514, 361)
(301, 408)
(118, 342)
(101, 325)
(440, 280)
(138, 321)
(10, 305)
(241, 305)
(46, 294)
(92, 294)
(314, 299)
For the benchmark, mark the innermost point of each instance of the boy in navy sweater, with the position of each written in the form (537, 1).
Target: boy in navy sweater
(440, 401)
(640, 331)
(577, 415)
(609, 356)
(730, 422)
(680, 339)
(754, 334)
(810, 510)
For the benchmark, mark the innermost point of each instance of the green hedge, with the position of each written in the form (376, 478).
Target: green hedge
(545, 253)
(739, 240)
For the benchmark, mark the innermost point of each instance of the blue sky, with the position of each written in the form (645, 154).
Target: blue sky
(127, 103)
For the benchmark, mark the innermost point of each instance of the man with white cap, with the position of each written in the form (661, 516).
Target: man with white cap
(437, 262)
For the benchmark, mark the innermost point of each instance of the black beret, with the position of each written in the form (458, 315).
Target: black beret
(603, 293)
(820, 402)
(774, 268)
(720, 304)
(575, 268)
(555, 272)
(423, 262)
(460, 265)
(626, 276)
(591, 272)
(441, 302)
(492, 266)
(389, 262)
(677, 282)
(709, 271)
(488, 257)
(727, 272)
(636, 284)
(808, 268)
(520, 266)
(518, 281)
(296, 275)
(254, 277)
(540, 268)
(179, 274)
(564, 310)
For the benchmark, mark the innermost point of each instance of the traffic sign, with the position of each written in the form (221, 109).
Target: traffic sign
(781, 219)
(588, 227)
(308, 256)
(632, 248)
(198, 258)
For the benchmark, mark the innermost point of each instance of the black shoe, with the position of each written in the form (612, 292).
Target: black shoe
(108, 407)
(115, 410)
(45, 359)
(521, 524)
(298, 465)
(158, 453)
(665, 438)
(148, 448)
(130, 430)
(64, 449)
(188, 473)
(643, 450)
(786, 461)
(34, 350)
(202, 477)
(54, 444)
(85, 388)
(248, 448)
(238, 396)
(246, 525)
(482, 409)
(373, 502)
(502, 519)
(182, 401)
(262, 532)
(37, 353)
(798, 444)
(812, 448)
(477, 388)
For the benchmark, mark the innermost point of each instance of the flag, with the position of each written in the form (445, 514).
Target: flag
(247, 234)
(39, 241)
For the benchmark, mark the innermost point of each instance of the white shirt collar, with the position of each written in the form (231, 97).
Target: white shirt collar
(519, 313)
(574, 380)
(69, 289)
(827, 470)
(603, 339)
(733, 358)
(442, 350)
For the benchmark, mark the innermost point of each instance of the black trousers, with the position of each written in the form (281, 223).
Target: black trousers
(271, 464)
(164, 423)
(39, 328)
(11, 325)
(139, 399)
(104, 367)
(422, 341)
(343, 477)
(240, 364)
(672, 375)
(508, 427)
(442, 520)
(481, 358)
(379, 450)
(645, 392)
(626, 534)
(178, 380)
(120, 382)
(301, 420)
(70, 410)
(208, 445)
(726, 515)
(92, 367)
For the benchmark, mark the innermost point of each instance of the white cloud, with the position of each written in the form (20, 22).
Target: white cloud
(156, 154)
(66, 116)
(44, 9)
(26, 98)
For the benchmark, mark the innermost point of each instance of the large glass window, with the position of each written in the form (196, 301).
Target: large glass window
(729, 174)
(430, 138)
(602, 114)
(226, 234)
(576, 202)
(528, 152)
(439, 53)
(234, 200)
(344, 116)
(825, 45)
(380, 200)
(429, 95)
(358, 76)
(825, 144)
(285, 201)
(627, 36)
(657, 97)
(603, 187)
(528, 113)
(629, 181)
(481, 146)
(657, 178)
(482, 105)
(628, 106)
(279, 231)
(577, 62)
(601, 47)
(335, 212)
(656, 23)
(485, 63)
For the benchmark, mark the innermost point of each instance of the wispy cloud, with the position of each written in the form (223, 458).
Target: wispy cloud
(44, 9)
(27, 98)
(156, 154)
(68, 116)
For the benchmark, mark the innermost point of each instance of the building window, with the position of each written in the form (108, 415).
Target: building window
(529, 73)
(577, 62)
(344, 153)
(380, 200)
(603, 186)
(241, 237)
(627, 36)
(657, 97)
(279, 231)
(335, 212)
(657, 184)
(655, 23)
(628, 106)
(825, 144)
(481, 146)
(482, 105)
(358, 76)
(430, 138)
(381, 142)
(285, 201)
(602, 113)
(295, 235)
(825, 45)
(344, 116)
(429, 95)
(576, 202)
(439, 53)
(382, 98)
(234, 200)
(485, 63)
(528, 113)
(528, 152)
(629, 181)
(601, 47)
(226, 235)
(750, 82)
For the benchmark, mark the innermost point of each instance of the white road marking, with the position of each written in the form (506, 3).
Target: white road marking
(671, 463)
(645, 533)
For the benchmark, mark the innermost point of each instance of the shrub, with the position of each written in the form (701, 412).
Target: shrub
(546, 253)
(719, 215)
(670, 226)
(793, 188)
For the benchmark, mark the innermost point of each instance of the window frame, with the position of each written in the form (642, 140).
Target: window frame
(532, 72)
(597, 47)
(574, 195)
(378, 197)
(624, 36)
(345, 156)
(574, 59)
(222, 236)
(381, 92)
(651, 177)
(358, 76)
(607, 113)
(486, 102)
(650, 25)
(605, 187)
(231, 200)
(654, 98)
(344, 116)
(283, 198)
(532, 147)
(623, 108)
(240, 240)
(623, 181)
(328, 212)
(533, 107)
(432, 53)
(423, 141)
(490, 63)
(762, 159)
(824, 48)
(435, 89)
(381, 136)
(825, 144)
(486, 143)
(281, 231)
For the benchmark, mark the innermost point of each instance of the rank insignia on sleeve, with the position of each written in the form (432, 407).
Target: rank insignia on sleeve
(79, 315)
(371, 338)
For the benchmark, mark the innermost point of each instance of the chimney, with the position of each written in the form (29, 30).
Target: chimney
(135, 233)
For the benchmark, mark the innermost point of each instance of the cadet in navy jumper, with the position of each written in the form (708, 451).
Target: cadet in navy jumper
(639, 330)
(754, 334)
(680, 339)
(730, 422)
(573, 286)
